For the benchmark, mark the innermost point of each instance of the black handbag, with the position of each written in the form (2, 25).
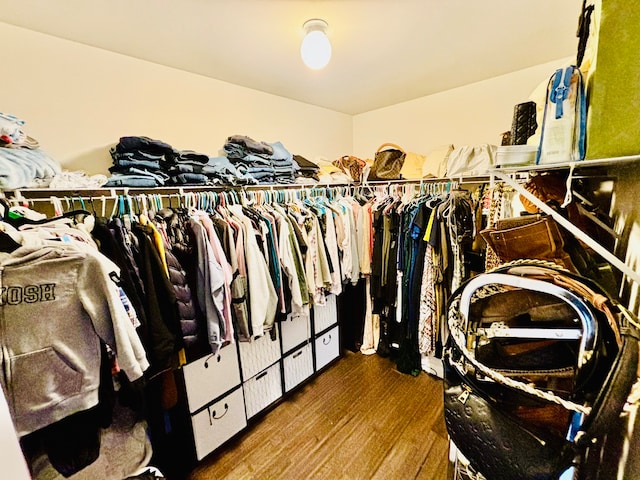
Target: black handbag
(523, 418)
(524, 123)
(496, 443)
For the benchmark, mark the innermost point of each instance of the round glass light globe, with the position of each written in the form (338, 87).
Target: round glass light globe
(315, 50)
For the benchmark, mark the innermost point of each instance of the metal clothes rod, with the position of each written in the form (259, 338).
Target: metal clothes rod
(44, 194)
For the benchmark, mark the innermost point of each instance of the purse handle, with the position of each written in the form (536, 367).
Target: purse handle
(390, 145)
(456, 329)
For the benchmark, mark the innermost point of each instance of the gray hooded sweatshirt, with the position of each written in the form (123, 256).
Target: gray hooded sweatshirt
(56, 303)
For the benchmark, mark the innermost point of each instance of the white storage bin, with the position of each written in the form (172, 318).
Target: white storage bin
(296, 329)
(324, 316)
(516, 155)
(327, 347)
(218, 422)
(262, 390)
(298, 366)
(209, 377)
(258, 354)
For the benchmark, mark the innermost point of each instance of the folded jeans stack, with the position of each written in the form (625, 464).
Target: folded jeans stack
(140, 162)
(265, 162)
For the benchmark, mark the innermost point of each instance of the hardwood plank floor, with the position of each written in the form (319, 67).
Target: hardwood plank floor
(359, 419)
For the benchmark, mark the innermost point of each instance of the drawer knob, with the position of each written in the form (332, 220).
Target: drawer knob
(213, 415)
(206, 362)
(326, 340)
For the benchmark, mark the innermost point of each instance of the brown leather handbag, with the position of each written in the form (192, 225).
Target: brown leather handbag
(352, 166)
(529, 236)
(387, 162)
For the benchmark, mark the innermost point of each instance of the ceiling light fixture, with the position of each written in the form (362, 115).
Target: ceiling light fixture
(316, 48)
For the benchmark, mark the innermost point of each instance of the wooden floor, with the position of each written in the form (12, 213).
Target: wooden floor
(359, 419)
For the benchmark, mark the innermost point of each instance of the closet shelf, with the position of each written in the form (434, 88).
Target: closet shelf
(111, 192)
(601, 162)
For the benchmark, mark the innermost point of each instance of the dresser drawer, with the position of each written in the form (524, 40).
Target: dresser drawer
(327, 347)
(218, 422)
(324, 316)
(296, 329)
(262, 390)
(297, 366)
(211, 376)
(258, 354)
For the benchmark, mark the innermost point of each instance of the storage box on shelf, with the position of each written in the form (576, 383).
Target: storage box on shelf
(211, 376)
(218, 422)
(297, 364)
(261, 371)
(516, 155)
(297, 367)
(326, 333)
(296, 329)
(262, 390)
(258, 354)
(215, 399)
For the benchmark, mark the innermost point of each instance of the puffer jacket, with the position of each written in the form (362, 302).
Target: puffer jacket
(178, 252)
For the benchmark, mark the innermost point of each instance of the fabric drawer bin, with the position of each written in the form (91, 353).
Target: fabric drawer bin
(262, 390)
(324, 316)
(298, 366)
(218, 422)
(258, 354)
(327, 347)
(211, 376)
(296, 329)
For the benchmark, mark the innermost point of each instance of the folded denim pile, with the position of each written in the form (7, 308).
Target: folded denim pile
(265, 162)
(143, 162)
(22, 162)
(140, 162)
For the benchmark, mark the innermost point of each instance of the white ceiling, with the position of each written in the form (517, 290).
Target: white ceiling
(384, 51)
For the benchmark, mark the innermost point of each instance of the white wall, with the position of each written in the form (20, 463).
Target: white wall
(469, 115)
(79, 100)
(13, 463)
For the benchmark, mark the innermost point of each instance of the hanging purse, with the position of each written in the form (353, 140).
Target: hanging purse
(528, 236)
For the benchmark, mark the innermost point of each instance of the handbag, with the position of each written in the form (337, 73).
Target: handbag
(435, 164)
(524, 123)
(532, 421)
(528, 236)
(387, 162)
(471, 160)
(352, 166)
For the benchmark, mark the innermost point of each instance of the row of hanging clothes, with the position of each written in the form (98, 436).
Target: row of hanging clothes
(189, 273)
(423, 249)
(194, 271)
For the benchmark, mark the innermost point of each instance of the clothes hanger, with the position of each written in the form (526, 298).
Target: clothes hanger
(20, 221)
